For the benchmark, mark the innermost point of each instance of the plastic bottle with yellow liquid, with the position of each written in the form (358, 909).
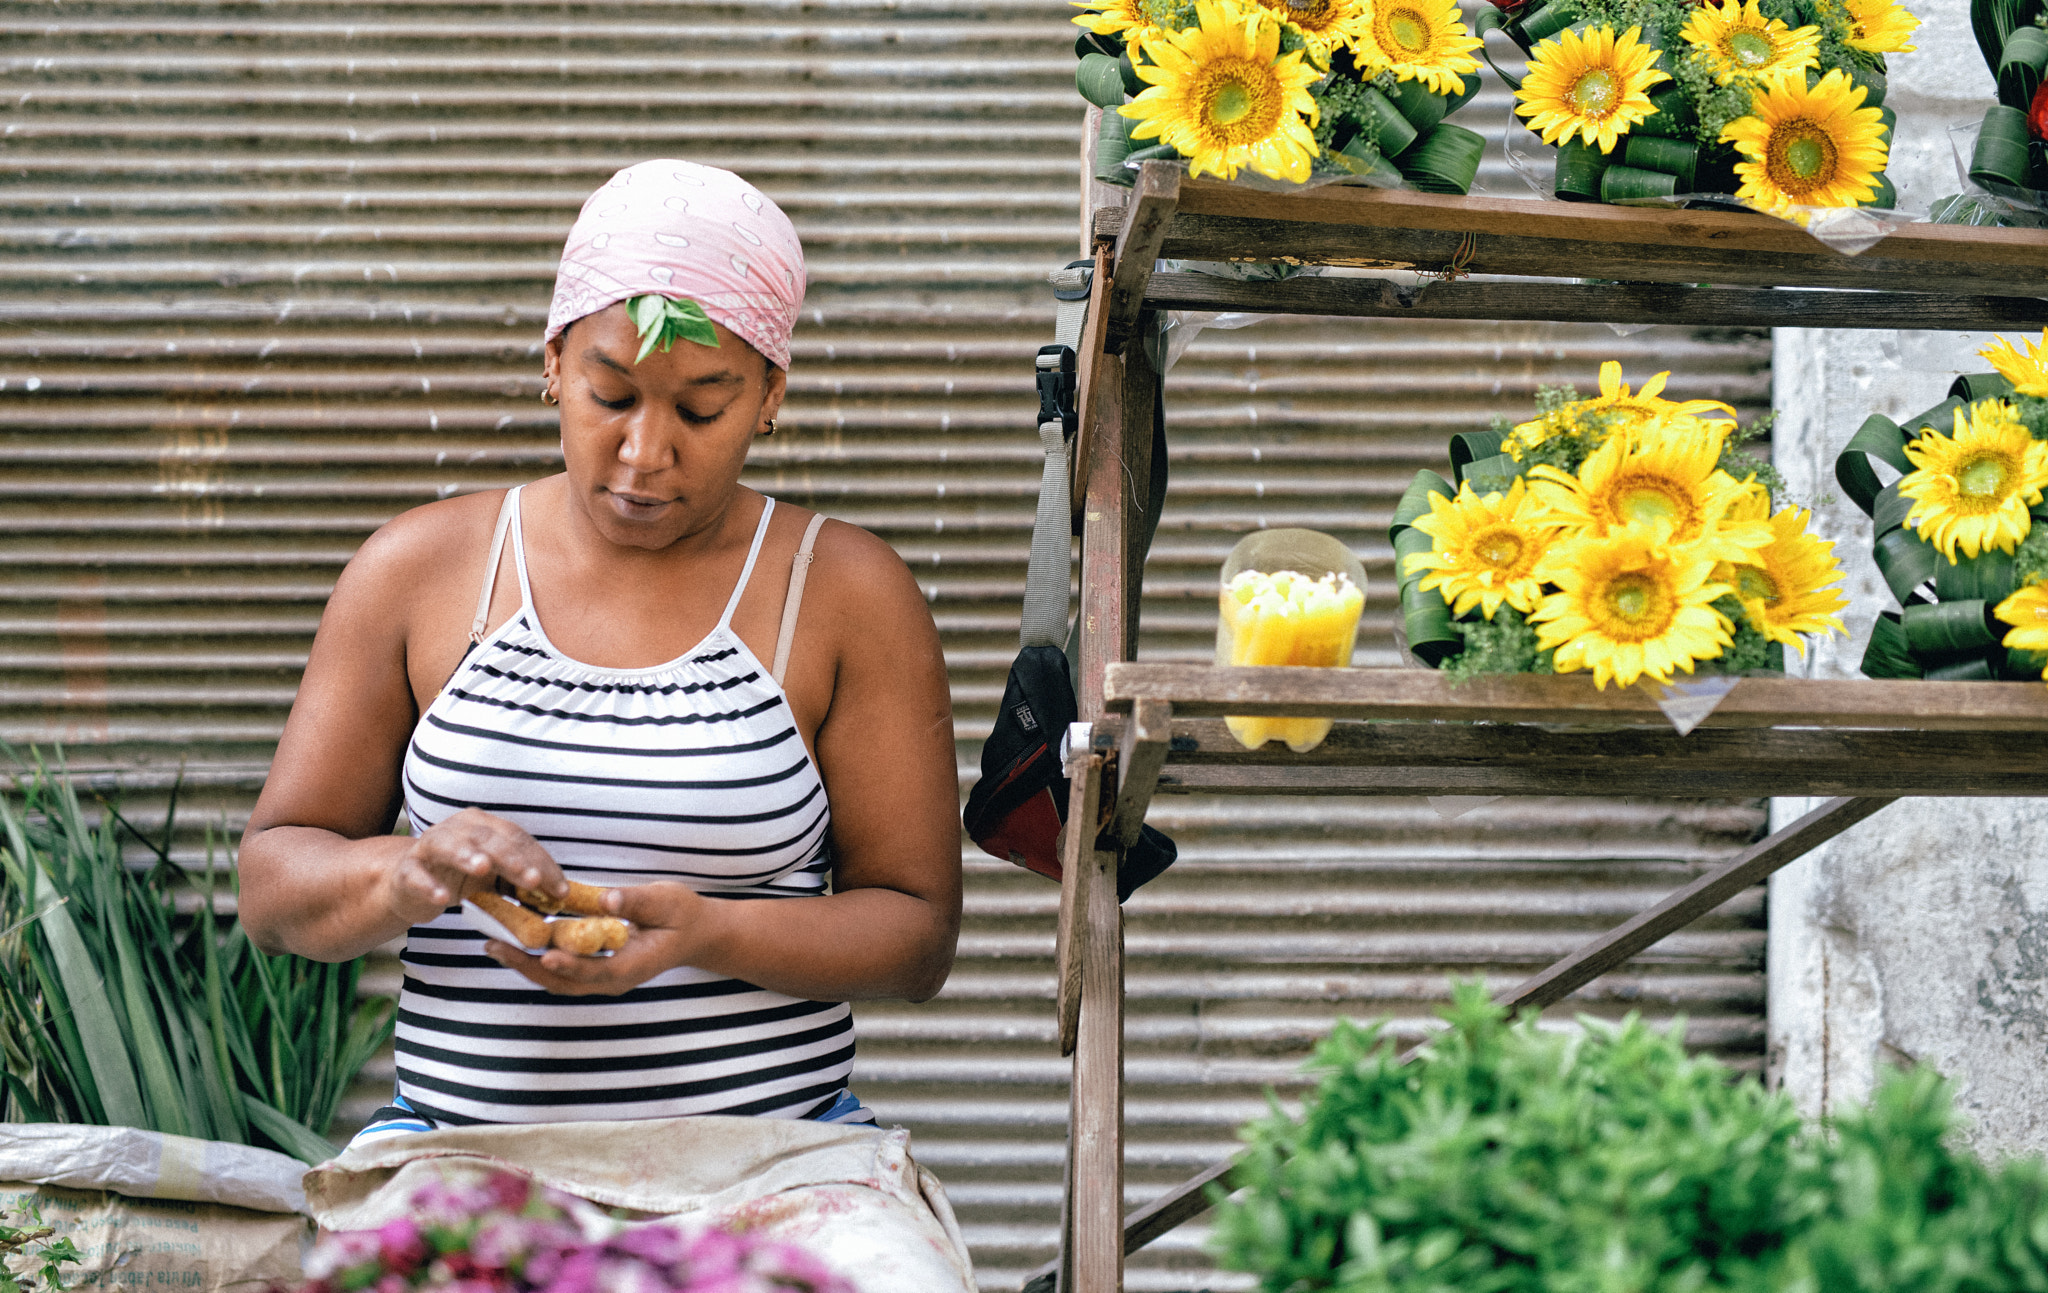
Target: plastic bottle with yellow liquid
(1289, 597)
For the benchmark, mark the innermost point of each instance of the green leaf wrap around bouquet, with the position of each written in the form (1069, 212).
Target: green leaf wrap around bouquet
(1425, 616)
(1579, 168)
(1944, 629)
(1445, 160)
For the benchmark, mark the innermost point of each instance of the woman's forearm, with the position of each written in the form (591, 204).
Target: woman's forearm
(318, 894)
(854, 946)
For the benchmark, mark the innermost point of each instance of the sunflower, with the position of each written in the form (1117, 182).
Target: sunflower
(1629, 605)
(1662, 481)
(1484, 550)
(2026, 369)
(1416, 40)
(1737, 40)
(1594, 86)
(1880, 27)
(1325, 25)
(1223, 94)
(1783, 587)
(1808, 146)
(2027, 612)
(1626, 412)
(1132, 20)
(1972, 491)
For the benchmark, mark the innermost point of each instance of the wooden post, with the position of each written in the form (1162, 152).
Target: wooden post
(1096, 1150)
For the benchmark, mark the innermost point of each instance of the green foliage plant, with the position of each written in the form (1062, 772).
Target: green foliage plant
(1513, 1158)
(117, 1011)
(46, 1254)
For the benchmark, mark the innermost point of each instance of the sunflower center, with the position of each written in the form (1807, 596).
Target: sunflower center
(1800, 157)
(1240, 102)
(1594, 93)
(1982, 478)
(1637, 605)
(1408, 31)
(1500, 549)
(1754, 583)
(1309, 15)
(1651, 501)
(1748, 47)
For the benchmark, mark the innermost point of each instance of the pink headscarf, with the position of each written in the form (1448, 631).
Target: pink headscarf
(687, 232)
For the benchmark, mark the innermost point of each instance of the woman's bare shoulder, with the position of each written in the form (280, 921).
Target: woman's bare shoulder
(857, 570)
(418, 553)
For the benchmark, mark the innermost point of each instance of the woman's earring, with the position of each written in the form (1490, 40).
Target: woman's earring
(547, 395)
(771, 427)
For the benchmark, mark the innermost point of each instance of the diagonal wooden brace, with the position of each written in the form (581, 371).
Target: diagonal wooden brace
(1191, 1198)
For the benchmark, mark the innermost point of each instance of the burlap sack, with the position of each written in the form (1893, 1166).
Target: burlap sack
(150, 1211)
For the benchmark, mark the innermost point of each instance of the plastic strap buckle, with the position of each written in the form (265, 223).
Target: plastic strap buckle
(1056, 383)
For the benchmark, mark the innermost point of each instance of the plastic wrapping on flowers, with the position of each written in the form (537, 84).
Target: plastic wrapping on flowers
(1327, 91)
(1625, 534)
(1775, 104)
(1957, 534)
(2008, 152)
(501, 1233)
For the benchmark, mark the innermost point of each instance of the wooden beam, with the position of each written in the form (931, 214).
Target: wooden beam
(1523, 759)
(1141, 753)
(1427, 695)
(1153, 201)
(1998, 257)
(1077, 841)
(1723, 307)
(1088, 368)
(1748, 867)
(1195, 237)
(1096, 1133)
(1103, 542)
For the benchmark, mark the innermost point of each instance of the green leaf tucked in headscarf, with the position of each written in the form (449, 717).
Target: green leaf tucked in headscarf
(662, 320)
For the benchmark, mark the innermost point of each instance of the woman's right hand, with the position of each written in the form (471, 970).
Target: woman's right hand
(462, 854)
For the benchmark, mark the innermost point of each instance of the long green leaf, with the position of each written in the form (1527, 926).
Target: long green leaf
(159, 1085)
(99, 1034)
(291, 1135)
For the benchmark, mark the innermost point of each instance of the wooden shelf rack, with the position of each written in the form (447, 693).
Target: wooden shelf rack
(1157, 729)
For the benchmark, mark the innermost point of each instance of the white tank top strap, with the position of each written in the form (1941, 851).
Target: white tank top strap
(490, 584)
(747, 571)
(799, 570)
(519, 550)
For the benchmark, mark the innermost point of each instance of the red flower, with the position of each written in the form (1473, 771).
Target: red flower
(2037, 115)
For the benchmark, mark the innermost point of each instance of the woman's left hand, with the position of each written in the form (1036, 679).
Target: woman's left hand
(669, 926)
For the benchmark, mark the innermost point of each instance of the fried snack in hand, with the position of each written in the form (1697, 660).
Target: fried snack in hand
(529, 929)
(589, 935)
(581, 900)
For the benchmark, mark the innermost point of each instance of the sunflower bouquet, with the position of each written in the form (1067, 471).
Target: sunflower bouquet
(1292, 90)
(2011, 154)
(1775, 102)
(1957, 538)
(1627, 534)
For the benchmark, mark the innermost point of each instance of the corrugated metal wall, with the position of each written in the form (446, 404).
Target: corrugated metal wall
(273, 272)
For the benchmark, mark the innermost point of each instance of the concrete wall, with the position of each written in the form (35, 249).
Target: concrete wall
(1922, 935)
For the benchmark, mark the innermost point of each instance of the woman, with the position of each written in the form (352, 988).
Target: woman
(618, 712)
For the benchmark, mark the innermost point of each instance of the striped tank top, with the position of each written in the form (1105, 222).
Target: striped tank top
(690, 771)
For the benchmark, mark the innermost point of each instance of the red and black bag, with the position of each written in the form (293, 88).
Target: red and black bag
(1017, 807)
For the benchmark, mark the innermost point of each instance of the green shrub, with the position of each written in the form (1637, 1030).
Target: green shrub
(1508, 1158)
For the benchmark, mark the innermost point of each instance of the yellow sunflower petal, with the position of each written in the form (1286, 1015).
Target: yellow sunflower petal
(1808, 146)
(1630, 605)
(1738, 41)
(1784, 587)
(1219, 95)
(2027, 612)
(1971, 491)
(1595, 87)
(2026, 369)
(1484, 549)
(1415, 40)
(1880, 26)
